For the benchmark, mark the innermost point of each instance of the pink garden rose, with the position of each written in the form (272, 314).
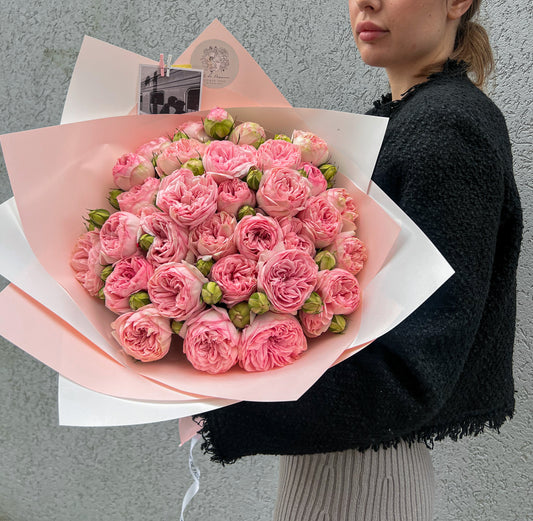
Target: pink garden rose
(339, 291)
(350, 252)
(177, 153)
(214, 236)
(248, 133)
(188, 199)
(287, 277)
(132, 169)
(85, 261)
(322, 220)
(225, 160)
(277, 152)
(129, 276)
(175, 290)
(315, 324)
(282, 192)
(170, 240)
(316, 179)
(139, 196)
(211, 341)
(313, 148)
(344, 202)
(194, 130)
(296, 236)
(271, 340)
(118, 236)
(153, 148)
(257, 233)
(232, 194)
(143, 334)
(237, 277)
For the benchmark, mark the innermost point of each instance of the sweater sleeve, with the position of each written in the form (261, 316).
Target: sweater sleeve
(447, 171)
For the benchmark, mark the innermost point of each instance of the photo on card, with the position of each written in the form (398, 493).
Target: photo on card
(176, 92)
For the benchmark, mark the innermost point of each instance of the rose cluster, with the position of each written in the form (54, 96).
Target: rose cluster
(238, 243)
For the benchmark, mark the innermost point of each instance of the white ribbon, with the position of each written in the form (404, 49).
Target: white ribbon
(195, 473)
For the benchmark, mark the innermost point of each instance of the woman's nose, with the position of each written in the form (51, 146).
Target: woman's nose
(367, 5)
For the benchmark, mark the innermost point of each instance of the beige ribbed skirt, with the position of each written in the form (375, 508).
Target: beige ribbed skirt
(395, 484)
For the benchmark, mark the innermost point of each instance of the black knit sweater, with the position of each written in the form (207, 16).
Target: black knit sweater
(446, 371)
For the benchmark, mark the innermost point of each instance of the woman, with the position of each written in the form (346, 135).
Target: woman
(446, 371)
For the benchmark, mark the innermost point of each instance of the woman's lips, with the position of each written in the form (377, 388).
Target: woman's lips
(368, 31)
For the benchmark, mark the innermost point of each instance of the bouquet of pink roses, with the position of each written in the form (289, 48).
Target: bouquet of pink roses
(238, 243)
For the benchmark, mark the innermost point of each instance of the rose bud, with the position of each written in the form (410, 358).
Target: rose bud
(145, 241)
(101, 294)
(218, 123)
(328, 171)
(204, 265)
(338, 324)
(254, 178)
(248, 133)
(325, 260)
(211, 293)
(139, 299)
(176, 326)
(98, 217)
(258, 303)
(245, 210)
(112, 197)
(283, 137)
(240, 314)
(106, 271)
(313, 304)
(313, 148)
(179, 134)
(195, 165)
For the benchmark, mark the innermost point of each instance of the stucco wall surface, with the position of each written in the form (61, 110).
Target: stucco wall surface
(54, 473)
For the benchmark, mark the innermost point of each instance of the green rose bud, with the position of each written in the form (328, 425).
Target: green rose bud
(89, 226)
(145, 241)
(101, 295)
(98, 217)
(179, 135)
(195, 165)
(154, 159)
(328, 171)
(245, 210)
(211, 293)
(106, 272)
(313, 304)
(240, 314)
(176, 326)
(112, 197)
(218, 123)
(283, 137)
(254, 178)
(258, 303)
(204, 265)
(338, 324)
(139, 299)
(325, 260)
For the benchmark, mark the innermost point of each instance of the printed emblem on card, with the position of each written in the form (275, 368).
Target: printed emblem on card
(219, 62)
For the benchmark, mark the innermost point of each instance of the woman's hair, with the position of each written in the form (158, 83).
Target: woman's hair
(473, 47)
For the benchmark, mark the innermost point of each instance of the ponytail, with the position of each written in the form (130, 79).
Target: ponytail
(473, 47)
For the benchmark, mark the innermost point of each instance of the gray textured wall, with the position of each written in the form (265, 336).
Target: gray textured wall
(138, 473)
